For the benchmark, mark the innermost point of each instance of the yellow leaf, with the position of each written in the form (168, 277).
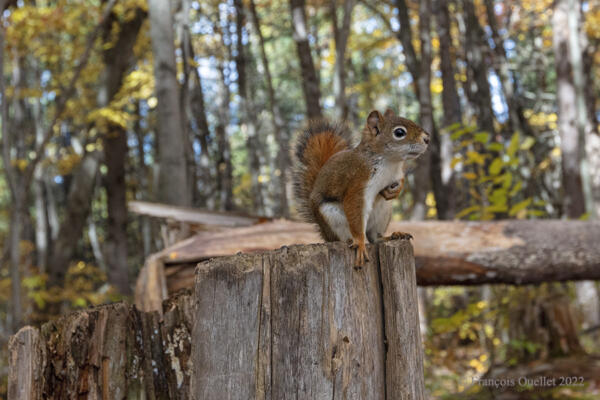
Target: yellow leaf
(476, 157)
(436, 86)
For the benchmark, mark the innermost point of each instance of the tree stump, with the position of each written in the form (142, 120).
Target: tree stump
(297, 322)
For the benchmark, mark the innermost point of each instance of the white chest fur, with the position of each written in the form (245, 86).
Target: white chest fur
(385, 174)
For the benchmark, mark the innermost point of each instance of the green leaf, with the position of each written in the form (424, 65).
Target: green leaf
(514, 145)
(482, 137)
(484, 179)
(495, 147)
(516, 188)
(467, 211)
(457, 134)
(498, 196)
(461, 132)
(519, 206)
(496, 208)
(536, 213)
(453, 127)
(496, 166)
(505, 179)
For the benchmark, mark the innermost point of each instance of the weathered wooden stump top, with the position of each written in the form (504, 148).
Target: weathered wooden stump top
(297, 322)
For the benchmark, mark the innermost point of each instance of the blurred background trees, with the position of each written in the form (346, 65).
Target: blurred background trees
(196, 104)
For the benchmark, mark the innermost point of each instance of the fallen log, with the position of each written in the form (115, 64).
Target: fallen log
(446, 252)
(298, 322)
(193, 216)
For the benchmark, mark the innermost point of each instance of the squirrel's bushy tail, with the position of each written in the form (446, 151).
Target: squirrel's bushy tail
(315, 145)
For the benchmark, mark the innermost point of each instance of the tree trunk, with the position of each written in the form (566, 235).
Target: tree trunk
(16, 225)
(263, 326)
(591, 100)
(223, 158)
(340, 36)
(516, 118)
(42, 235)
(185, 46)
(450, 99)
(428, 171)
(576, 50)
(279, 132)
(566, 95)
(79, 203)
(115, 245)
(450, 104)
(427, 120)
(17, 197)
(41, 221)
(478, 85)
(197, 113)
(118, 59)
(310, 82)
(172, 180)
(250, 124)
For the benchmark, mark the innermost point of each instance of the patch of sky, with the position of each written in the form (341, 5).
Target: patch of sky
(404, 79)
(509, 47)
(197, 148)
(499, 105)
(369, 25)
(45, 78)
(488, 34)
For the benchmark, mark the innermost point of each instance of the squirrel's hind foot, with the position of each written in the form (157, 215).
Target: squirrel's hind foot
(361, 252)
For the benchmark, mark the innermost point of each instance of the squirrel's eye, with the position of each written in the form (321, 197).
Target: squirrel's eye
(399, 133)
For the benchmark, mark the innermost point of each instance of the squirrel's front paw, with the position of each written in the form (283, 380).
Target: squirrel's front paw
(392, 191)
(361, 252)
(399, 235)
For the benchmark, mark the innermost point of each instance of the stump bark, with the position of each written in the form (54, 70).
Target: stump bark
(297, 322)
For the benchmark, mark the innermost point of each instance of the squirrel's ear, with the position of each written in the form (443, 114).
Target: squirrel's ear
(372, 120)
(389, 113)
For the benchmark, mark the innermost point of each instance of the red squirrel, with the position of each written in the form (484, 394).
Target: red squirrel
(345, 189)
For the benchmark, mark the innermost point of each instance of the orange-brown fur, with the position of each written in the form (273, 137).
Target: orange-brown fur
(320, 148)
